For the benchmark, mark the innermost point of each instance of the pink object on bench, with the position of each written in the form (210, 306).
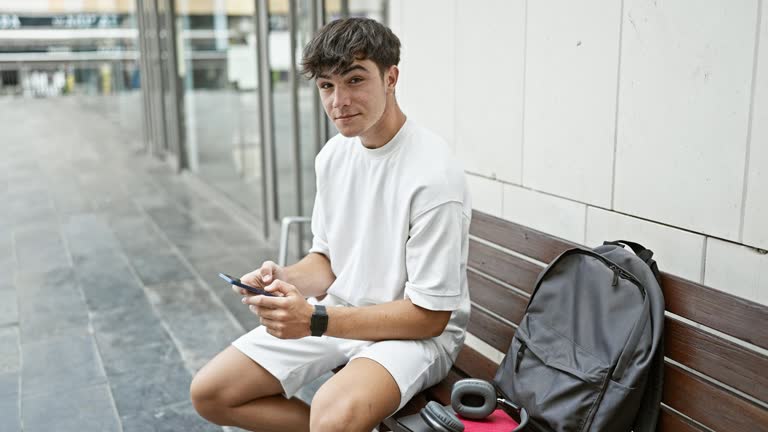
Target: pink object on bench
(498, 421)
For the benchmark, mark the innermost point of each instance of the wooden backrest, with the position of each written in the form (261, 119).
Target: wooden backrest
(716, 373)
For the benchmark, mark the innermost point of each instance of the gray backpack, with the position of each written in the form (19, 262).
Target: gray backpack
(588, 355)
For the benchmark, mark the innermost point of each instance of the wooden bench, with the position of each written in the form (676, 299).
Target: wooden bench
(711, 380)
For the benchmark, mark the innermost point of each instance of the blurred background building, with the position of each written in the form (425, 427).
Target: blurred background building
(584, 119)
(210, 86)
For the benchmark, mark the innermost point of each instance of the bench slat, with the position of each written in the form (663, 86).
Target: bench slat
(519, 238)
(716, 309)
(710, 405)
(475, 364)
(507, 268)
(490, 329)
(718, 358)
(670, 421)
(496, 298)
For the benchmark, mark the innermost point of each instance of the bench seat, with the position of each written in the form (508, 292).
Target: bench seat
(716, 374)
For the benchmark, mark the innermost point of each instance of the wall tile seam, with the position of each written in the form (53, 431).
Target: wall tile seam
(703, 275)
(616, 116)
(758, 249)
(454, 131)
(750, 119)
(523, 102)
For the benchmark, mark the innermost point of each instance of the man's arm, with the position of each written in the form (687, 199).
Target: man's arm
(399, 319)
(312, 275)
(288, 316)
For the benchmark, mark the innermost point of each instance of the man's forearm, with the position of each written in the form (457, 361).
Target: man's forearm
(400, 319)
(312, 275)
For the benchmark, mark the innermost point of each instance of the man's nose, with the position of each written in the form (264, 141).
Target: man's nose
(340, 97)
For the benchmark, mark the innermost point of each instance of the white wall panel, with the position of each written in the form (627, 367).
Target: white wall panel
(490, 54)
(677, 252)
(427, 64)
(756, 208)
(487, 195)
(683, 112)
(570, 97)
(557, 216)
(737, 270)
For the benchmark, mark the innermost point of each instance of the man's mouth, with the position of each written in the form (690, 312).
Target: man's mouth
(346, 116)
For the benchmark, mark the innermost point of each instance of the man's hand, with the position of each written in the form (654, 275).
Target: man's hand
(287, 315)
(261, 277)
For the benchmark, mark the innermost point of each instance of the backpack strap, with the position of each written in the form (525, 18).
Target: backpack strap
(644, 254)
(648, 412)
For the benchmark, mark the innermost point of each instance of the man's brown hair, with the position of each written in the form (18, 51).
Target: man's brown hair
(339, 43)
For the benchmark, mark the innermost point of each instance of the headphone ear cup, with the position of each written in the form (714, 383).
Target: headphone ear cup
(439, 419)
(473, 398)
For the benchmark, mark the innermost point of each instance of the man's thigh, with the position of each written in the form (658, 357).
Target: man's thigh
(235, 378)
(363, 386)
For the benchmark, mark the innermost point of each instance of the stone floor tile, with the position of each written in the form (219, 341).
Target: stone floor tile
(159, 267)
(10, 415)
(201, 327)
(88, 234)
(9, 385)
(169, 419)
(128, 359)
(9, 305)
(59, 363)
(9, 350)
(77, 409)
(107, 281)
(50, 303)
(119, 331)
(40, 249)
(137, 234)
(144, 390)
(209, 268)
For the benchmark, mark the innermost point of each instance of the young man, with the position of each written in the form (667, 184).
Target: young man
(390, 226)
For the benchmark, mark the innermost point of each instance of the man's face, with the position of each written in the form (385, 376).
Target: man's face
(356, 97)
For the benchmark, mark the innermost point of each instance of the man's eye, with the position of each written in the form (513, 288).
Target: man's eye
(355, 80)
(325, 86)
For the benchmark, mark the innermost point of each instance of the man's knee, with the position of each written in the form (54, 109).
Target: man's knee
(334, 412)
(206, 397)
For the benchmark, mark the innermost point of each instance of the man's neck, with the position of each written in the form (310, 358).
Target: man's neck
(386, 128)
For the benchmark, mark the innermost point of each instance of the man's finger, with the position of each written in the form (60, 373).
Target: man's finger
(253, 278)
(266, 302)
(281, 288)
(267, 269)
(271, 314)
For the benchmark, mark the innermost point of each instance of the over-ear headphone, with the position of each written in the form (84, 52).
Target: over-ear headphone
(473, 399)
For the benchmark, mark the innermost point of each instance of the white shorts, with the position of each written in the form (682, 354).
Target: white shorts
(414, 364)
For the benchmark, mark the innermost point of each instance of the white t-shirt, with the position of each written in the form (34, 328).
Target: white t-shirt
(394, 222)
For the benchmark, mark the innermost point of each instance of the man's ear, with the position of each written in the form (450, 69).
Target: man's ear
(390, 78)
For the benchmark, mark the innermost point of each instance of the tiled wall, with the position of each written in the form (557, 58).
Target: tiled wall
(598, 119)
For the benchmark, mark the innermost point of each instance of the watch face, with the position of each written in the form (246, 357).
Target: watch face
(319, 322)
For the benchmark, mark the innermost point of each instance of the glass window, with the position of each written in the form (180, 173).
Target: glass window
(217, 61)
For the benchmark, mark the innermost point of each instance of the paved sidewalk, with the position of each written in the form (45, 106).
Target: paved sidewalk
(109, 299)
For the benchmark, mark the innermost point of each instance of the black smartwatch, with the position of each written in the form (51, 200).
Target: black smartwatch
(319, 322)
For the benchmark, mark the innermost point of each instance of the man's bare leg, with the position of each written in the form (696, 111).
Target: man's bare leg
(233, 390)
(357, 398)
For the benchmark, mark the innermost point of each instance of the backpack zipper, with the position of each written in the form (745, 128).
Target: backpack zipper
(617, 271)
(520, 354)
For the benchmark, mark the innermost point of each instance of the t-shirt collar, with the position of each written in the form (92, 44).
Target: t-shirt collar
(387, 148)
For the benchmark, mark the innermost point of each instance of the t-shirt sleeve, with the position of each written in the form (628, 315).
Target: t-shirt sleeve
(433, 256)
(319, 238)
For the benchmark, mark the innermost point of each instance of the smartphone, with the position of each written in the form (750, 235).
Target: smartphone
(236, 281)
